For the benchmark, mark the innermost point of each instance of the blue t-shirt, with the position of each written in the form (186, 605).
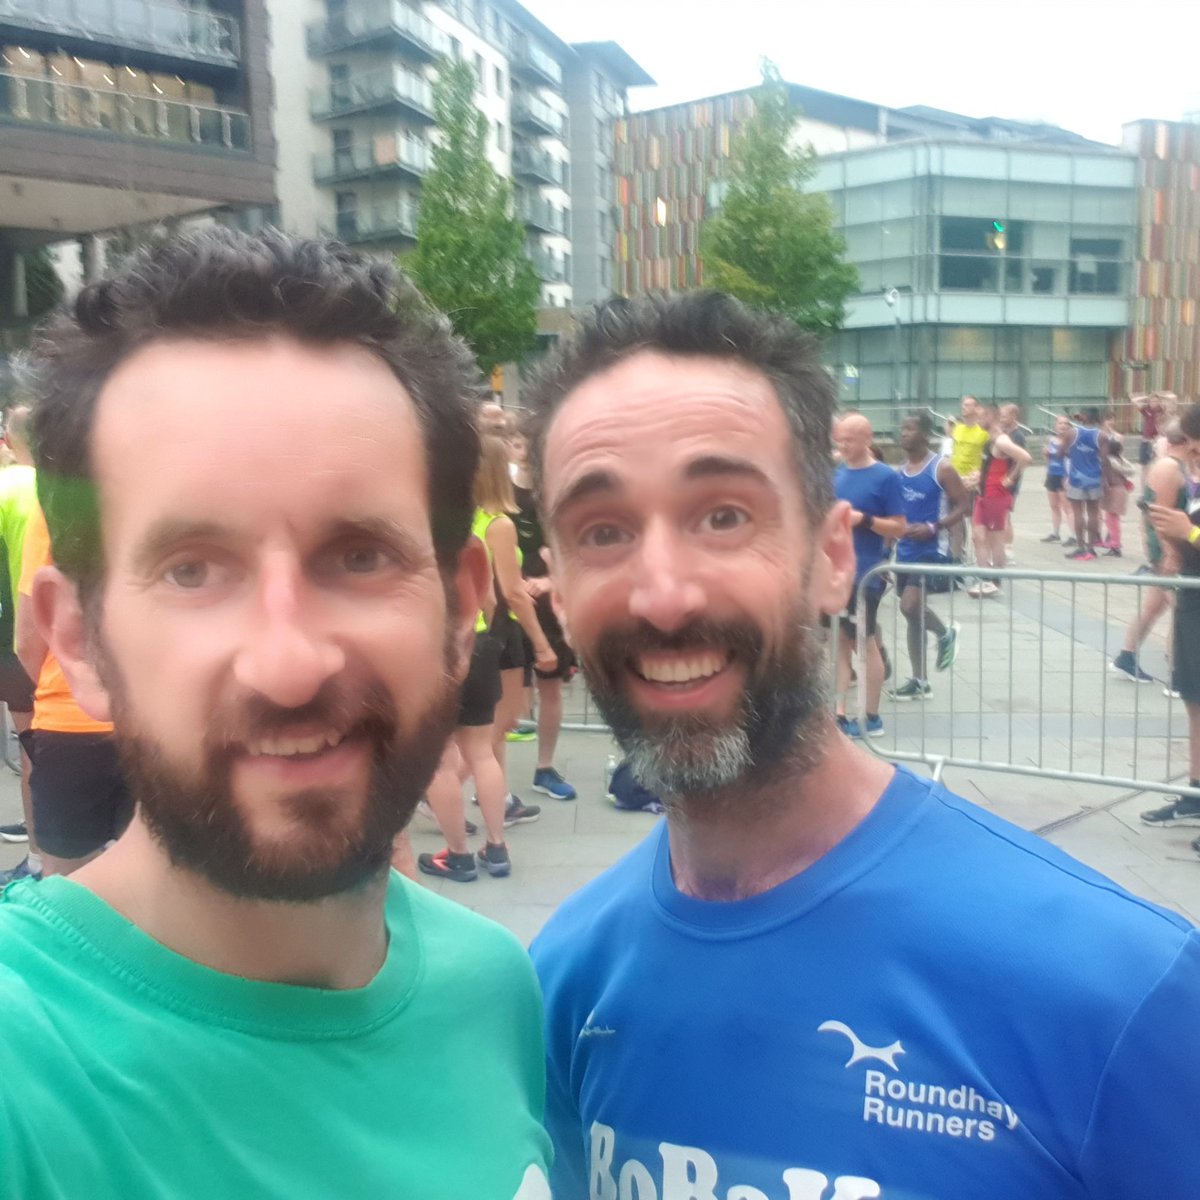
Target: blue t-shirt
(942, 1006)
(874, 490)
(924, 504)
(1083, 458)
(1055, 467)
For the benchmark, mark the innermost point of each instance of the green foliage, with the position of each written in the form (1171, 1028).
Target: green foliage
(470, 255)
(770, 243)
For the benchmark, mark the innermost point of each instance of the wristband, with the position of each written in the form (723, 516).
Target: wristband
(934, 527)
(868, 522)
(1194, 536)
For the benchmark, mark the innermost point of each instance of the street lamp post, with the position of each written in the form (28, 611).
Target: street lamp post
(892, 297)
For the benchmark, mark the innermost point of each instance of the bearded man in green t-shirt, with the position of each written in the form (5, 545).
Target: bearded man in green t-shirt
(255, 459)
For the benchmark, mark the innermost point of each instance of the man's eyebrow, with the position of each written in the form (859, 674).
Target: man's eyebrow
(589, 484)
(381, 529)
(168, 533)
(712, 465)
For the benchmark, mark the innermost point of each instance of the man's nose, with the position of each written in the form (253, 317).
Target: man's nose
(289, 653)
(666, 590)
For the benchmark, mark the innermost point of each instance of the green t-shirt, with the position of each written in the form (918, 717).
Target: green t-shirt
(130, 1072)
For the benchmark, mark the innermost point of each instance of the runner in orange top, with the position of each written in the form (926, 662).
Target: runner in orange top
(80, 802)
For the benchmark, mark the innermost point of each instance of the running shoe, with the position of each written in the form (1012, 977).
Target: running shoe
(1126, 664)
(423, 808)
(914, 689)
(984, 589)
(874, 726)
(1081, 554)
(517, 813)
(844, 724)
(1171, 693)
(521, 735)
(550, 783)
(1113, 552)
(494, 859)
(1052, 537)
(447, 865)
(1070, 541)
(1144, 569)
(1183, 810)
(20, 871)
(14, 833)
(947, 647)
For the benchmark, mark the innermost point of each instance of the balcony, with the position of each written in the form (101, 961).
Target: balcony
(530, 113)
(539, 214)
(386, 25)
(387, 90)
(394, 222)
(163, 36)
(531, 62)
(537, 165)
(550, 268)
(26, 100)
(388, 156)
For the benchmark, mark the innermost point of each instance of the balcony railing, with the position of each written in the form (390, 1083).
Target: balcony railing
(45, 102)
(388, 154)
(540, 214)
(376, 21)
(178, 30)
(539, 165)
(380, 223)
(531, 60)
(551, 268)
(388, 87)
(533, 113)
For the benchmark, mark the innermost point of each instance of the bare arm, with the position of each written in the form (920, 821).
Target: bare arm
(1019, 458)
(502, 542)
(956, 493)
(30, 646)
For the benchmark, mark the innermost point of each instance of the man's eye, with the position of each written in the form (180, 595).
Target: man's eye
(193, 574)
(601, 536)
(362, 560)
(722, 520)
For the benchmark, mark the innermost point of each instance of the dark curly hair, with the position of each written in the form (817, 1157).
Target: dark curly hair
(217, 284)
(700, 324)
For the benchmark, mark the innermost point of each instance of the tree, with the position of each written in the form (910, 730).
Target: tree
(470, 255)
(770, 243)
(43, 287)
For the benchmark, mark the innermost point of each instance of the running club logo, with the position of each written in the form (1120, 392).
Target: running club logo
(955, 1111)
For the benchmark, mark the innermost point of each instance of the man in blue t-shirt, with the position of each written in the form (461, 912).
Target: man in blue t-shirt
(820, 977)
(872, 490)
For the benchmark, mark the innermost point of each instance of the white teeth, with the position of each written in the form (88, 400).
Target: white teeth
(287, 747)
(681, 670)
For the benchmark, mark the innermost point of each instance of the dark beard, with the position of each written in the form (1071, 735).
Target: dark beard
(194, 816)
(779, 723)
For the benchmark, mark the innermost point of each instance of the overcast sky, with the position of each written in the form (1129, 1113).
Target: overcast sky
(1089, 65)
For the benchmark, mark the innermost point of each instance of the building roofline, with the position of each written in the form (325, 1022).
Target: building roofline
(618, 61)
(522, 17)
(947, 139)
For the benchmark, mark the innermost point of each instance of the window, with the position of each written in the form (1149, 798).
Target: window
(499, 81)
(456, 49)
(479, 74)
(501, 136)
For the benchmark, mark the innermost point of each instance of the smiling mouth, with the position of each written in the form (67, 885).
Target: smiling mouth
(295, 747)
(680, 669)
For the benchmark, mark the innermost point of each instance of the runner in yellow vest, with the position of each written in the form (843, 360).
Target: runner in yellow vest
(970, 439)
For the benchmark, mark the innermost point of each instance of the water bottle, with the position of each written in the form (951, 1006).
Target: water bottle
(610, 769)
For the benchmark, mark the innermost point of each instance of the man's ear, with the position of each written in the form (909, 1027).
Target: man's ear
(58, 614)
(833, 561)
(472, 582)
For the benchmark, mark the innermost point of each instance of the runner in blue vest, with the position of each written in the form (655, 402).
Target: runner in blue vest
(935, 501)
(1085, 482)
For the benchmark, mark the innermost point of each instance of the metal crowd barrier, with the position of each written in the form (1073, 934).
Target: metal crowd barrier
(1031, 692)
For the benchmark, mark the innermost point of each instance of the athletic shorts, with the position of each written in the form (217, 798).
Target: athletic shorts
(991, 510)
(933, 584)
(508, 633)
(1081, 494)
(80, 801)
(850, 617)
(1055, 483)
(558, 642)
(480, 691)
(16, 690)
(1185, 670)
(1146, 452)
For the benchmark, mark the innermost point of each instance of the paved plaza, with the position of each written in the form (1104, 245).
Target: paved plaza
(1031, 687)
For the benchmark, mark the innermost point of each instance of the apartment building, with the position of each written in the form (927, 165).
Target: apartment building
(117, 113)
(355, 121)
